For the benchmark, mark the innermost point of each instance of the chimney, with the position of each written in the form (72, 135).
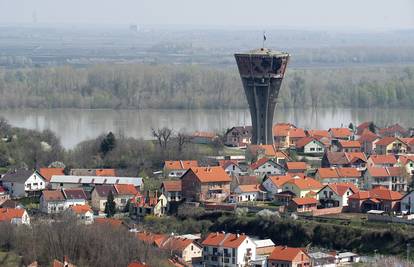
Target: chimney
(238, 235)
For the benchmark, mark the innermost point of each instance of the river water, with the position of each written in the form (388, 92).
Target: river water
(76, 125)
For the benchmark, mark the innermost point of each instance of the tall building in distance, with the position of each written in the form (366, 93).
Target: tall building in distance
(262, 72)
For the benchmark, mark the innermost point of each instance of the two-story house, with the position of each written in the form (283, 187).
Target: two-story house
(21, 183)
(176, 168)
(336, 194)
(239, 136)
(205, 184)
(225, 249)
(266, 166)
(390, 145)
(339, 175)
(388, 177)
(283, 256)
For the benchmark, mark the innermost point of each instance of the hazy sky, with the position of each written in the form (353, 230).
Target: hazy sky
(353, 14)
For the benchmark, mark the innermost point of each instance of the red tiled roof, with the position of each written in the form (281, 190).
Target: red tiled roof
(367, 136)
(7, 214)
(211, 174)
(306, 140)
(225, 163)
(105, 172)
(377, 193)
(176, 243)
(81, 209)
(283, 253)
(180, 164)
(393, 129)
(250, 188)
(298, 165)
(259, 163)
(280, 180)
(305, 200)
(341, 188)
(384, 171)
(126, 189)
(282, 129)
(318, 133)
(269, 150)
(383, 159)
(47, 173)
(233, 240)
(305, 183)
(297, 133)
(363, 126)
(172, 186)
(152, 239)
(53, 195)
(406, 158)
(340, 132)
(210, 135)
(349, 144)
(408, 140)
(386, 141)
(214, 239)
(349, 172)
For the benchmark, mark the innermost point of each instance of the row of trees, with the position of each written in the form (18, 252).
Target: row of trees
(170, 86)
(94, 245)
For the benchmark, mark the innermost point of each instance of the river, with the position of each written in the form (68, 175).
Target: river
(76, 125)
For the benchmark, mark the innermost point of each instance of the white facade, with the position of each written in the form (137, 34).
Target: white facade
(353, 180)
(34, 182)
(55, 206)
(269, 168)
(313, 146)
(230, 257)
(271, 187)
(328, 194)
(245, 196)
(233, 169)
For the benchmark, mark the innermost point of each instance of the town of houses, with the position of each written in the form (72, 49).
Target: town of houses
(311, 172)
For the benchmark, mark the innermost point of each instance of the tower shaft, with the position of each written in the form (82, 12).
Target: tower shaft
(261, 72)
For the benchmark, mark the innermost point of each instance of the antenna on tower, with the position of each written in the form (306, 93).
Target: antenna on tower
(264, 38)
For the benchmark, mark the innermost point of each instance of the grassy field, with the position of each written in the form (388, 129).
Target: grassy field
(9, 259)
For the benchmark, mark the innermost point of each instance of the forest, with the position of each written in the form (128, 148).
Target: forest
(144, 86)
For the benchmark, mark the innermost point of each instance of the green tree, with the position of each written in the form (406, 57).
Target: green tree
(372, 127)
(108, 143)
(110, 205)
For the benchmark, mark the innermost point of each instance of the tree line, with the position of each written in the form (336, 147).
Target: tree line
(140, 86)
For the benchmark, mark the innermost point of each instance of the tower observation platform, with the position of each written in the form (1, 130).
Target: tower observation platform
(262, 72)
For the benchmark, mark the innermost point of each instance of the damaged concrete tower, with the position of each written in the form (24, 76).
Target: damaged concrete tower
(262, 72)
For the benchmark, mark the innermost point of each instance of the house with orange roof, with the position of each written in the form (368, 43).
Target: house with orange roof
(52, 201)
(239, 136)
(176, 168)
(230, 249)
(361, 128)
(302, 204)
(273, 184)
(392, 178)
(256, 152)
(382, 161)
(344, 159)
(407, 162)
(318, 133)
(336, 194)
(64, 263)
(391, 145)
(395, 130)
(171, 190)
(281, 134)
(152, 239)
(295, 134)
(137, 264)
(124, 193)
(185, 249)
(205, 184)
(84, 213)
(266, 166)
(310, 145)
(108, 221)
(339, 175)
(4, 195)
(47, 173)
(296, 167)
(202, 137)
(150, 204)
(14, 216)
(302, 187)
(288, 256)
(378, 198)
(368, 141)
(348, 146)
(251, 192)
(340, 133)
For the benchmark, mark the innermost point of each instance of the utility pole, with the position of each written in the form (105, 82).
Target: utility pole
(408, 252)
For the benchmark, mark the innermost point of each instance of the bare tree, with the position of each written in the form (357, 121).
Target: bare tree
(163, 136)
(182, 139)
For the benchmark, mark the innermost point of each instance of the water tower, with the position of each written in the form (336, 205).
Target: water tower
(262, 72)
